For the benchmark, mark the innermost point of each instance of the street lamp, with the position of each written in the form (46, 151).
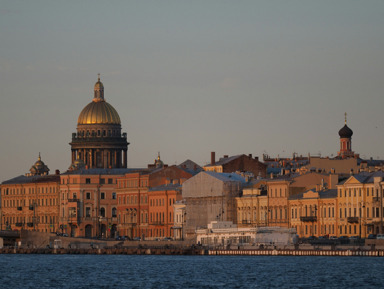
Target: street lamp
(362, 206)
(100, 220)
(313, 219)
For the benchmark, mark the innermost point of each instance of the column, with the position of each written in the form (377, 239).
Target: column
(90, 158)
(105, 159)
(125, 158)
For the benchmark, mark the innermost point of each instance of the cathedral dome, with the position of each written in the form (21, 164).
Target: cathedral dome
(99, 111)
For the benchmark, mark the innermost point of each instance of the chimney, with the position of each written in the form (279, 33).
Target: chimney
(250, 156)
(213, 161)
(225, 156)
(57, 172)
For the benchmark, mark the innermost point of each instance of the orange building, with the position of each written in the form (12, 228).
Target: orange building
(134, 207)
(161, 211)
(31, 202)
(88, 202)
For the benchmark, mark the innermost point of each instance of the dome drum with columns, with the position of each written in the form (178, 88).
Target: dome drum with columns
(98, 142)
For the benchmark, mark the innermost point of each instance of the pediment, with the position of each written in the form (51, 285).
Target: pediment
(352, 180)
(310, 195)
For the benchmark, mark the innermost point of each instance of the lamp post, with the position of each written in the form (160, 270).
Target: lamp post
(100, 220)
(314, 211)
(362, 206)
(131, 213)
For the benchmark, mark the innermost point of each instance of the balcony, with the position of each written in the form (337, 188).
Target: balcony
(376, 199)
(246, 222)
(308, 219)
(353, 220)
(19, 208)
(19, 224)
(72, 220)
(30, 224)
(73, 200)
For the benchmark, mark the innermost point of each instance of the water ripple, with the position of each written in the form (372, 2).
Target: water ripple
(122, 271)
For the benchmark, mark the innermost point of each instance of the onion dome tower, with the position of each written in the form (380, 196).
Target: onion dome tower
(39, 168)
(98, 142)
(345, 134)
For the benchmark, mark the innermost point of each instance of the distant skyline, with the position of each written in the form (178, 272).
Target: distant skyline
(191, 77)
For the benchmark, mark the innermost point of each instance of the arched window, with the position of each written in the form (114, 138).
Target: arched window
(114, 212)
(102, 212)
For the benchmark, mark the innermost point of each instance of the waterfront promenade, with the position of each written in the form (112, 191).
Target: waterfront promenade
(194, 251)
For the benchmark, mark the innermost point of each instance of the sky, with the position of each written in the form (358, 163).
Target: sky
(191, 77)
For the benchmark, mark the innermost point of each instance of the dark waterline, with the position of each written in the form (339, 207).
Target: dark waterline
(131, 271)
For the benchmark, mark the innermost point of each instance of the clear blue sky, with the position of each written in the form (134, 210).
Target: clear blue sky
(191, 77)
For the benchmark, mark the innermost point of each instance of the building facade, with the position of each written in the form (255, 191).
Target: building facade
(145, 201)
(210, 196)
(88, 202)
(252, 205)
(361, 208)
(239, 163)
(31, 202)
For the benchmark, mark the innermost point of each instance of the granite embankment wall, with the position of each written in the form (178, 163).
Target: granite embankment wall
(195, 251)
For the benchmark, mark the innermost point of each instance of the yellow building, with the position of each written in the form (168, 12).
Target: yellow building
(252, 206)
(31, 202)
(279, 190)
(314, 213)
(360, 198)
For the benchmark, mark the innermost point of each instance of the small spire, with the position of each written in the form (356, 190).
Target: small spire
(158, 155)
(39, 157)
(345, 118)
(98, 77)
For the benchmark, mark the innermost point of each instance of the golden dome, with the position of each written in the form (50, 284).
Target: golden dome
(99, 112)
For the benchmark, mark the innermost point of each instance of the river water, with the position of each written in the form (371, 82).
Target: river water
(132, 271)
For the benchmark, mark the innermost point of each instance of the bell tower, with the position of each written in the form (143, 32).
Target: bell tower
(345, 134)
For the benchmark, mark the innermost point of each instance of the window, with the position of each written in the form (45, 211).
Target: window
(110, 181)
(102, 196)
(114, 212)
(87, 212)
(87, 181)
(113, 196)
(102, 212)
(88, 196)
(102, 181)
